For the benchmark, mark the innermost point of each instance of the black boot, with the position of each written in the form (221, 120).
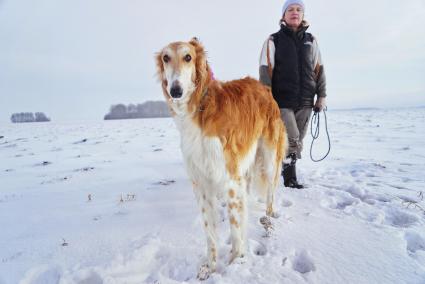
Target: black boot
(289, 173)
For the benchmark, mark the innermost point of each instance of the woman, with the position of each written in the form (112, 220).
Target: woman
(290, 63)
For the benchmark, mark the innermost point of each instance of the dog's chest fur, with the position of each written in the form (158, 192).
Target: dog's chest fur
(204, 157)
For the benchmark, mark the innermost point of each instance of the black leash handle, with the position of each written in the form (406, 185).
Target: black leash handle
(315, 119)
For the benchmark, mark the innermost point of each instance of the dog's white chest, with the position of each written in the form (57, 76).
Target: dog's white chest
(203, 156)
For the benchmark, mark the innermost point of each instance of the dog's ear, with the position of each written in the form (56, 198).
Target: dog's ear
(160, 76)
(159, 65)
(196, 43)
(201, 61)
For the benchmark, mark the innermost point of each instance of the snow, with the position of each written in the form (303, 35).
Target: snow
(110, 202)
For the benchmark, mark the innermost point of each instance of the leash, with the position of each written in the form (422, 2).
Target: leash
(315, 119)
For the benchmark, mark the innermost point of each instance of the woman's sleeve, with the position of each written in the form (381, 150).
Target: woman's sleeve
(319, 71)
(267, 62)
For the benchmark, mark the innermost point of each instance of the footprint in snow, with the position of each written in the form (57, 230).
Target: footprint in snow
(354, 173)
(398, 218)
(286, 203)
(89, 277)
(302, 262)
(338, 202)
(355, 191)
(414, 242)
(257, 248)
(342, 204)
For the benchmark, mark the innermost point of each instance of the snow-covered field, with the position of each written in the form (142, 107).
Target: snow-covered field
(110, 202)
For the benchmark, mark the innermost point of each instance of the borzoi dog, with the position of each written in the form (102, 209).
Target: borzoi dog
(232, 139)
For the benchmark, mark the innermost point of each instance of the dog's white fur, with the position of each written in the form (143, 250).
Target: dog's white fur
(225, 144)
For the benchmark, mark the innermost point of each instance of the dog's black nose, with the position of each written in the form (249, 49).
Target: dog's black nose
(176, 92)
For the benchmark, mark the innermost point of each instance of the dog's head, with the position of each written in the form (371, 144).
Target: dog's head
(182, 69)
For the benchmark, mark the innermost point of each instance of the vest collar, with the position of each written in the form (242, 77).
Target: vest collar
(299, 34)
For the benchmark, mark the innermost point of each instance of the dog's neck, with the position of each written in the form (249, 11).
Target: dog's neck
(203, 81)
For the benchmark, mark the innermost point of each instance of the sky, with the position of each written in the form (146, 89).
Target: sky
(72, 60)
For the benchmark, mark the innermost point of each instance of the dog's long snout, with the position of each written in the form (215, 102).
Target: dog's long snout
(176, 91)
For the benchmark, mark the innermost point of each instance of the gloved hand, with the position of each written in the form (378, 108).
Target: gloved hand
(320, 104)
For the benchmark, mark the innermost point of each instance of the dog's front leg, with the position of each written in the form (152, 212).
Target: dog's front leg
(237, 210)
(207, 203)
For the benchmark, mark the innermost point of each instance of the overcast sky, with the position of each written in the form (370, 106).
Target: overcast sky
(73, 59)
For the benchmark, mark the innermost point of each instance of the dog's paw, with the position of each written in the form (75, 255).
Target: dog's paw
(204, 272)
(236, 257)
(267, 224)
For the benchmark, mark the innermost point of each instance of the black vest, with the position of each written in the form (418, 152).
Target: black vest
(293, 80)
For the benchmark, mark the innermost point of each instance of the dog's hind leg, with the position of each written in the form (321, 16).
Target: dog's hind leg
(266, 174)
(237, 211)
(271, 173)
(273, 150)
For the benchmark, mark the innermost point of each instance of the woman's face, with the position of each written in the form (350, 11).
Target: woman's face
(294, 15)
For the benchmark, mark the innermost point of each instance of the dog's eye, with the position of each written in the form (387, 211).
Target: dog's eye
(166, 58)
(187, 58)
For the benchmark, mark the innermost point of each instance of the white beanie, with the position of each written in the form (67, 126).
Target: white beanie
(290, 2)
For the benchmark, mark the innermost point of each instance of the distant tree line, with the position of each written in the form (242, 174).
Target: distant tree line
(146, 110)
(29, 117)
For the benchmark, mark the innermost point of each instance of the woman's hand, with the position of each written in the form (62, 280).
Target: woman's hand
(320, 104)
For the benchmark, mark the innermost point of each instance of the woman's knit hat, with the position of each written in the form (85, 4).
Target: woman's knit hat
(290, 2)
